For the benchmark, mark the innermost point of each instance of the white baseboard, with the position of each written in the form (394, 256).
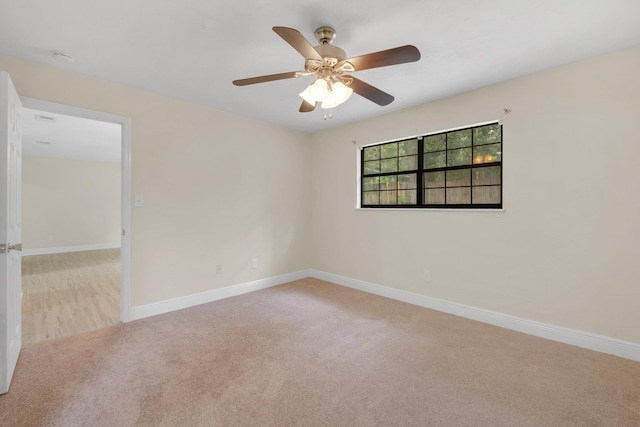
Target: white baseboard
(187, 301)
(602, 344)
(63, 249)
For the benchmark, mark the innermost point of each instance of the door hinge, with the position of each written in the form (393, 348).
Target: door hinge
(8, 248)
(123, 231)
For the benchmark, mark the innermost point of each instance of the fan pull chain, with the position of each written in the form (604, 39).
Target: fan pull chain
(330, 115)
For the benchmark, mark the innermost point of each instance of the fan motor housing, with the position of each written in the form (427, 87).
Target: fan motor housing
(327, 50)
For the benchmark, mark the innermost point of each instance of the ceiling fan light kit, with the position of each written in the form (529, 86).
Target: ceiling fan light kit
(328, 64)
(329, 93)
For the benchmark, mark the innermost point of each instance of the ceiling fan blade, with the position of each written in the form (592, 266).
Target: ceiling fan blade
(268, 78)
(306, 107)
(370, 92)
(298, 42)
(397, 55)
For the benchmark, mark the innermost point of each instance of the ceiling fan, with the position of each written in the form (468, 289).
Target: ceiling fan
(329, 64)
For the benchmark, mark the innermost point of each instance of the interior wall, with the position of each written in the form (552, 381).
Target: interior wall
(68, 202)
(218, 188)
(222, 189)
(565, 249)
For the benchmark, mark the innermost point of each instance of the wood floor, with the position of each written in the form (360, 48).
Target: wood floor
(70, 293)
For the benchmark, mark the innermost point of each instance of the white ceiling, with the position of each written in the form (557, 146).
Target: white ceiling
(193, 49)
(47, 134)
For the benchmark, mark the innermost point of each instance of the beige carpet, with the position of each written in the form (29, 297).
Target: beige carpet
(69, 293)
(311, 353)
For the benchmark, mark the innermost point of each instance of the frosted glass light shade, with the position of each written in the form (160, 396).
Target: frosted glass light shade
(330, 102)
(330, 94)
(339, 93)
(319, 90)
(307, 96)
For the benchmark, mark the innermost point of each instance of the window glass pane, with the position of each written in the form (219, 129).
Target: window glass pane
(372, 153)
(486, 176)
(435, 160)
(485, 195)
(389, 150)
(407, 181)
(487, 153)
(407, 197)
(487, 134)
(460, 167)
(459, 157)
(371, 167)
(434, 179)
(371, 184)
(459, 196)
(435, 143)
(370, 198)
(388, 182)
(389, 165)
(434, 197)
(461, 138)
(459, 178)
(389, 197)
(406, 148)
(408, 163)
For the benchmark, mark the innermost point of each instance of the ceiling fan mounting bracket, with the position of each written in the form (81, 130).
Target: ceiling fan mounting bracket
(325, 35)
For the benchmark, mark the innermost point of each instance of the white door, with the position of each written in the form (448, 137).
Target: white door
(10, 230)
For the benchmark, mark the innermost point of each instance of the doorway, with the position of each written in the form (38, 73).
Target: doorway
(76, 220)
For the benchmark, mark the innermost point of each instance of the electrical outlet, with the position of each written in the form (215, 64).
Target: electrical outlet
(427, 276)
(254, 263)
(219, 269)
(50, 236)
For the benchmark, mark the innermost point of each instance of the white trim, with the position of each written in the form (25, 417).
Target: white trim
(498, 121)
(430, 209)
(625, 349)
(125, 253)
(64, 249)
(125, 122)
(358, 180)
(187, 301)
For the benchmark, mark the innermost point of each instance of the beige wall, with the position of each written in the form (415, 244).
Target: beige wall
(219, 188)
(75, 201)
(564, 252)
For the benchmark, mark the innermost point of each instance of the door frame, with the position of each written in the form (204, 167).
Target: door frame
(125, 237)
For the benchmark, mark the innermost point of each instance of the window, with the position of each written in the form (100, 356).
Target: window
(461, 168)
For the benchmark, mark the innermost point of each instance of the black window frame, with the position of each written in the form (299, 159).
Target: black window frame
(421, 170)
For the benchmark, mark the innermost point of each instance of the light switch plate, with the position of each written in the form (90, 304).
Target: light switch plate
(139, 202)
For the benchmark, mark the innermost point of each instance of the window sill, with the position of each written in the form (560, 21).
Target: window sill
(431, 210)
